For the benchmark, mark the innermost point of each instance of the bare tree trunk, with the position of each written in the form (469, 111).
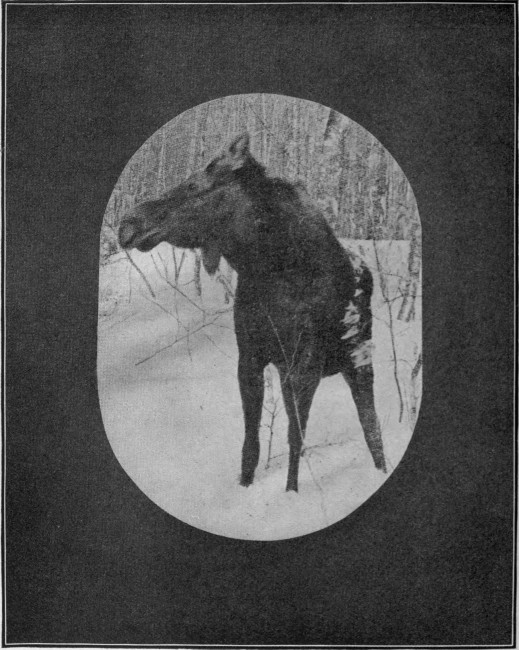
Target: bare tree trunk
(410, 289)
(415, 390)
(197, 271)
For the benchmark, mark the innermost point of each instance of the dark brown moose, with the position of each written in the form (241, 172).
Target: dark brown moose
(301, 304)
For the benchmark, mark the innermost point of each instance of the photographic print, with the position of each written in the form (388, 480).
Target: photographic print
(259, 333)
(260, 354)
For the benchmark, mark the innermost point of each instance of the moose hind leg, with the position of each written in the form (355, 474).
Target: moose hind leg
(298, 393)
(360, 380)
(252, 388)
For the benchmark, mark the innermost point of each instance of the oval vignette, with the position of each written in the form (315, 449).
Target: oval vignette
(167, 354)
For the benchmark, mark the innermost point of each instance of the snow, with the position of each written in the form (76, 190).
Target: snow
(173, 415)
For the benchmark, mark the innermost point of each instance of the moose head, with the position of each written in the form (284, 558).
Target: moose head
(197, 213)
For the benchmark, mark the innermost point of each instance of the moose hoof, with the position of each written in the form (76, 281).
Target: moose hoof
(245, 481)
(380, 463)
(291, 487)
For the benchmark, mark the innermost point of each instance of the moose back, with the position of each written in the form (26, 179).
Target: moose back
(301, 304)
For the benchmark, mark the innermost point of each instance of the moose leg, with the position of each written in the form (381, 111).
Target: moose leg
(360, 380)
(252, 388)
(298, 392)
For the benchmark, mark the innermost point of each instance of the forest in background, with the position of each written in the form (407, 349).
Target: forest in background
(359, 186)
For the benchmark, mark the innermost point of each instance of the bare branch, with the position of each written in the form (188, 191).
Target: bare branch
(144, 278)
(170, 345)
(383, 289)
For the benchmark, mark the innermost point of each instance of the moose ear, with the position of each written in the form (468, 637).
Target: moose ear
(238, 150)
(211, 258)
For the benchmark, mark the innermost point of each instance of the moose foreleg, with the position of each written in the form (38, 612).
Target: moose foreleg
(252, 388)
(360, 380)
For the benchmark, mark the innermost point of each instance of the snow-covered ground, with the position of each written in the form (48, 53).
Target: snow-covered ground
(171, 407)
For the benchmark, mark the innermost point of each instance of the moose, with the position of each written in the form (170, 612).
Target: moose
(301, 302)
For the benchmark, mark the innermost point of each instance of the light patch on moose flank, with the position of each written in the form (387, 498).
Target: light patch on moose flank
(356, 261)
(353, 331)
(351, 317)
(362, 355)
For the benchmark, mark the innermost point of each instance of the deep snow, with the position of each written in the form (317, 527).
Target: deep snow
(175, 422)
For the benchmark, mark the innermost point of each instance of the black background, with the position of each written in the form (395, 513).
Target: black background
(428, 559)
